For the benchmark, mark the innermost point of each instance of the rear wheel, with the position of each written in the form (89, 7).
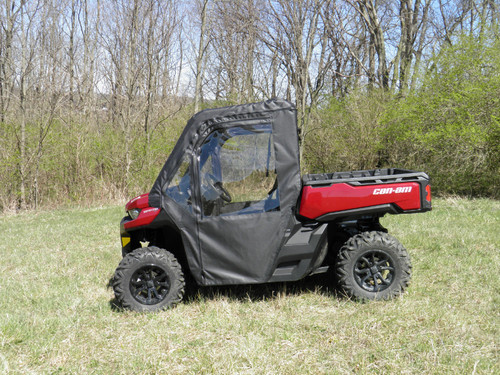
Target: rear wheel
(373, 265)
(149, 279)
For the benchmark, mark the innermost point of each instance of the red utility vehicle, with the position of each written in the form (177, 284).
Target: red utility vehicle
(230, 207)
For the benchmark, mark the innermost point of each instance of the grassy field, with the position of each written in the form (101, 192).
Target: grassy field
(57, 314)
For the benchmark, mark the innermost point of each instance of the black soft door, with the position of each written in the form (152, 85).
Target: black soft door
(240, 223)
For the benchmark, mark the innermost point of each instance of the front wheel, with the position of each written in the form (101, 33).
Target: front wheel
(373, 265)
(148, 279)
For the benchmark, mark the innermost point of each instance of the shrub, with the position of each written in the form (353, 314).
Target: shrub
(450, 126)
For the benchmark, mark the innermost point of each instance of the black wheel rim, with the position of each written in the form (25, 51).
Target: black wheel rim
(149, 285)
(374, 271)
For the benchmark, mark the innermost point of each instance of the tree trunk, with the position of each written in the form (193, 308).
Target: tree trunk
(368, 10)
(72, 53)
(200, 58)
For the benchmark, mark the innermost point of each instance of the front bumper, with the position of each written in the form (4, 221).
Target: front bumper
(127, 225)
(125, 236)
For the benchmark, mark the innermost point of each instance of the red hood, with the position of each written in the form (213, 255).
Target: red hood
(147, 214)
(142, 201)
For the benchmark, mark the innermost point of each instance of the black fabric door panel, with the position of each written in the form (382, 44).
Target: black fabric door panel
(244, 249)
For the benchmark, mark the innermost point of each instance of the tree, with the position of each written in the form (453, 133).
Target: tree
(203, 44)
(294, 34)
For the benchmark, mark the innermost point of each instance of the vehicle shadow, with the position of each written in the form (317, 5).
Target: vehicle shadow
(319, 284)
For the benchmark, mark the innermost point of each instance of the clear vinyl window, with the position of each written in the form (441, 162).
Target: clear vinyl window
(179, 188)
(237, 171)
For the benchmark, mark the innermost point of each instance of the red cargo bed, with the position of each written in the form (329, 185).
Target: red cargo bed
(346, 195)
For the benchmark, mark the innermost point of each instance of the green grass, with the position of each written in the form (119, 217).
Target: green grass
(57, 315)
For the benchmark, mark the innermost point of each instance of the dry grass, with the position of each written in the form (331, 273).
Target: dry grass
(57, 314)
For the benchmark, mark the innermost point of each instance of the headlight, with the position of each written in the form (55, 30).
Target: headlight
(134, 214)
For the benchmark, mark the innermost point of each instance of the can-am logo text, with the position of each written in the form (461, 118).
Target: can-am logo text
(398, 190)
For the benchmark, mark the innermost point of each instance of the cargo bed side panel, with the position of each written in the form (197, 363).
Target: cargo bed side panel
(317, 201)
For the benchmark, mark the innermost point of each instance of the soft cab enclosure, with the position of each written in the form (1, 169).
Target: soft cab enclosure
(254, 150)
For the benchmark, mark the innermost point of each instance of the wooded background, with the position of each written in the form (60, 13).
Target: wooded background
(94, 93)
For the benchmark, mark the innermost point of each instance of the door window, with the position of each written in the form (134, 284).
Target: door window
(237, 171)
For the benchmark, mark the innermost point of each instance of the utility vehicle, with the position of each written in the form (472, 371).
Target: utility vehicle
(230, 207)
